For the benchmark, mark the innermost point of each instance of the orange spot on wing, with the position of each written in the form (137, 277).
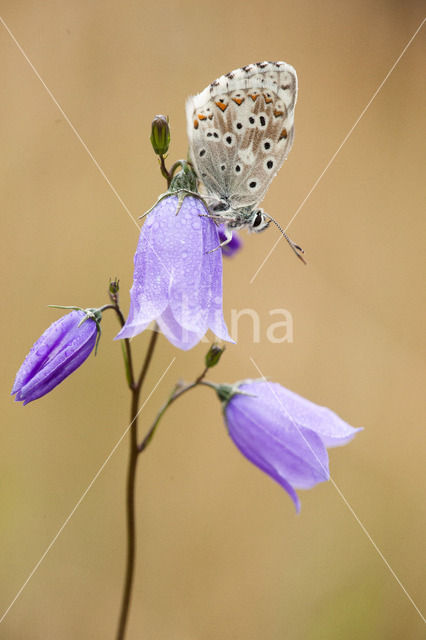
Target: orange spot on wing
(254, 96)
(283, 134)
(278, 113)
(267, 100)
(238, 101)
(222, 106)
(201, 117)
(195, 124)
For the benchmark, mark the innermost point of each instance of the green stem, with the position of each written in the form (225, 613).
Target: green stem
(148, 358)
(168, 175)
(131, 489)
(130, 518)
(126, 350)
(164, 171)
(176, 393)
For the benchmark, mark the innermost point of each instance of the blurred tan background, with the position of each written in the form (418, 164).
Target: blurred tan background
(221, 552)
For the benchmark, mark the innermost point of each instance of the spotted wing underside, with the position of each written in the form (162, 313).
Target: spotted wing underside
(241, 130)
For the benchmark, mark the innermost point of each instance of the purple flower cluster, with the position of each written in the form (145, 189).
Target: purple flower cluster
(177, 283)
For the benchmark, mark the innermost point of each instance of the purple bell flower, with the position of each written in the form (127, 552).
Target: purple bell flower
(230, 249)
(62, 348)
(176, 281)
(283, 434)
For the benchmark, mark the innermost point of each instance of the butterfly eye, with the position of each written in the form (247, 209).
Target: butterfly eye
(257, 220)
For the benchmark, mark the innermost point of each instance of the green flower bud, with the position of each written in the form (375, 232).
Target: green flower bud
(114, 286)
(160, 135)
(213, 355)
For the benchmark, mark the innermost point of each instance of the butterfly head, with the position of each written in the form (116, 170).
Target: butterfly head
(259, 220)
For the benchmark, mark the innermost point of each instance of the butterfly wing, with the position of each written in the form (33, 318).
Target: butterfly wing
(241, 130)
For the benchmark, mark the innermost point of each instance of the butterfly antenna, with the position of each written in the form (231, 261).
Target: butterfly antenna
(297, 250)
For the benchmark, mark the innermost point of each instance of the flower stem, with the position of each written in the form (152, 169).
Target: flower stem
(176, 393)
(168, 176)
(131, 488)
(130, 518)
(126, 350)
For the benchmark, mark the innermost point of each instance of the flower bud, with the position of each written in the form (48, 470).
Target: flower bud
(160, 135)
(114, 286)
(62, 348)
(213, 355)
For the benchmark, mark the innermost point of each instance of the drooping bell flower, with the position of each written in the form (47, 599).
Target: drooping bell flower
(177, 278)
(62, 348)
(283, 434)
(233, 246)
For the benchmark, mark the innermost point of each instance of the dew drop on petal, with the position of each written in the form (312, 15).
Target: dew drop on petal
(42, 350)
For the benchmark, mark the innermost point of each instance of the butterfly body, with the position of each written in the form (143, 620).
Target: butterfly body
(240, 130)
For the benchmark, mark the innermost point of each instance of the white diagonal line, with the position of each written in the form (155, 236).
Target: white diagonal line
(85, 492)
(52, 97)
(95, 162)
(333, 157)
(347, 504)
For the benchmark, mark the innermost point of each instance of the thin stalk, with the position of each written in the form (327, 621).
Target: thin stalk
(130, 517)
(148, 358)
(164, 171)
(127, 352)
(176, 393)
(131, 490)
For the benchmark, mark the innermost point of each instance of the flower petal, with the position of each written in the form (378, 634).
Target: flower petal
(153, 273)
(188, 289)
(328, 425)
(177, 279)
(42, 349)
(263, 464)
(264, 425)
(282, 433)
(176, 334)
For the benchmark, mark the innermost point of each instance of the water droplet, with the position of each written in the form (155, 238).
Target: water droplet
(42, 350)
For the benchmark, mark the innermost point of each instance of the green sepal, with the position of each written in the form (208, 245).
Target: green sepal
(183, 184)
(227, 391)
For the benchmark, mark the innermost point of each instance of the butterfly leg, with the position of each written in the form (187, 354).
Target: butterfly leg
(228, 238)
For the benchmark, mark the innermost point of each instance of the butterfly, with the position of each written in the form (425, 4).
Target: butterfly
(240, 131)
